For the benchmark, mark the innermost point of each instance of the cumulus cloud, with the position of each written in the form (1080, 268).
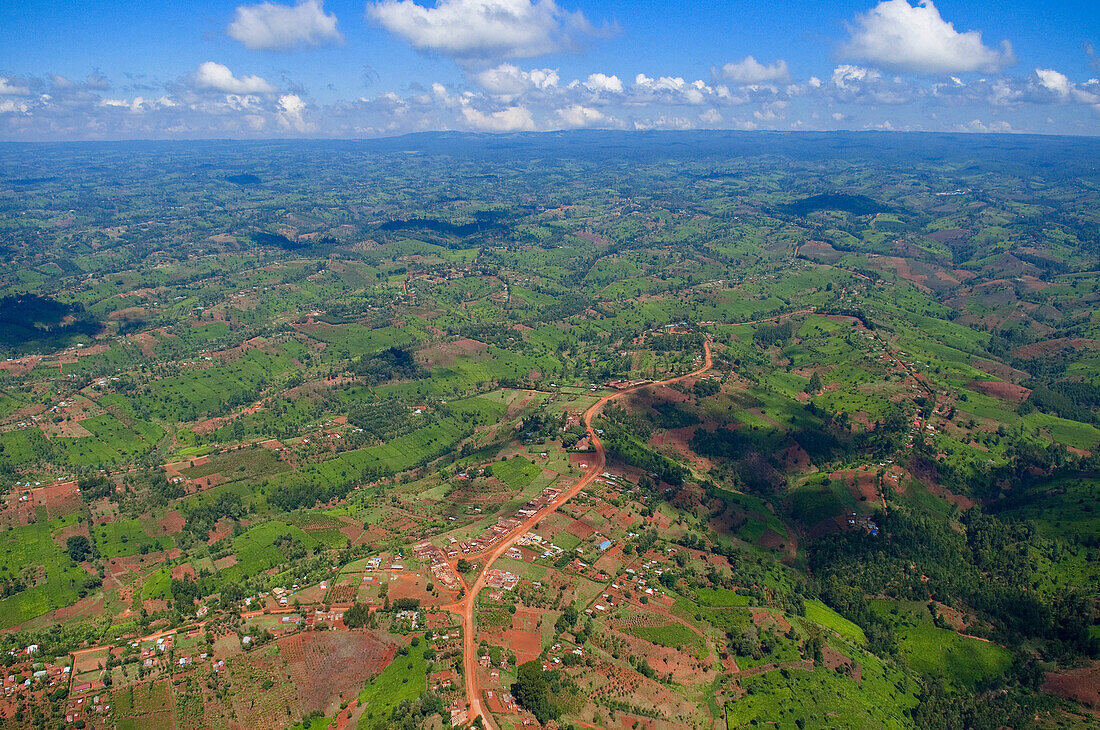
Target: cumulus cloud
(509, 119)
(509, 80)
(598, 82)
(904, 37)
(673, 88)
(751, 71)
(11, 106)
(484, 29)
(1044, 87)
(867, 85)
(576, 116)
(291, 113)
(711, 116)
(213, 102)
(213, 76)
(272, 27)
(1054, 81)
(7, 88)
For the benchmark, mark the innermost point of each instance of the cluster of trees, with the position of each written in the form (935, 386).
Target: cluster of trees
(204, 515)
(386, 419)
(675, 342)
(625, 447)
(1078, 401)
(415, 714)
(79, 548)
(769, 335)
(939, 708)
(357, 616)
(539, 692)
(393, 363)
(988, 567)
(95, 487)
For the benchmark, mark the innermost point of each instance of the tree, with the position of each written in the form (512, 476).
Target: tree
(815, 384)
(357, 616)
(463, 565)
(532, 691)
(79, 548)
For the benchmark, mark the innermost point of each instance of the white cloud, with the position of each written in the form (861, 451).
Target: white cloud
(1054, 81)
(290, 112)
(482, 29)
(11, 106)
(509, 119)
(977, 125)
(1065, 90)
(897, 35)
(509, 80)
(711, 116)
(7, 88)
(858, 84)
(849, 77)
(663, 122)
(577, 116)
(602, 82)
(751, 71)
(273, 27)
(677, 88)
(216, 77)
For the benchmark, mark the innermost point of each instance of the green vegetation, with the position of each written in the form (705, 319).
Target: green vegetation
(405, 678)
(232, 377)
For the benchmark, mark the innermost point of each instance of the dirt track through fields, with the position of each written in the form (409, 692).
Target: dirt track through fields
(465, 608)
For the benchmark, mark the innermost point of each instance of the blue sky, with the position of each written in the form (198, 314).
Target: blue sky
(308, 68)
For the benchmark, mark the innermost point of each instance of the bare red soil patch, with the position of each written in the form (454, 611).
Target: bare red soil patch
(410, 585)
(327, 665)
(948, 234)
(796, 458)
(1001, 389)
(180, 572)
(925, 472)
(172, 523)
(766, 618)
(61, 499)
(222, 529)
(145, 342)
(446, 353)
(524, 637)
(834, 660)
(580, 528)
(593, 238)
(1081, 685)
(1047, 347)
(79, 528)
(999, 369)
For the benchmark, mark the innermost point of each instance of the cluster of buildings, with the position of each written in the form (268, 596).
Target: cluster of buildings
(864, 522)
(85, 707)
(500, 702)
(496, 578)
(504, 526)
(49, 675)
(151, 655)
(437, 564)
(553, 659)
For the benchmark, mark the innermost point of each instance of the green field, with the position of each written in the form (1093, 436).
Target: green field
(819, 613)
(941, 652)
(404, 679)
(673, 635)
(52, 580)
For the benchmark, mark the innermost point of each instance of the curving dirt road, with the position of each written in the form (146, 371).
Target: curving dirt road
(465, 608)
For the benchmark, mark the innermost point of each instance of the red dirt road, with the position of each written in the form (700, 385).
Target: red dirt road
(465, 608)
